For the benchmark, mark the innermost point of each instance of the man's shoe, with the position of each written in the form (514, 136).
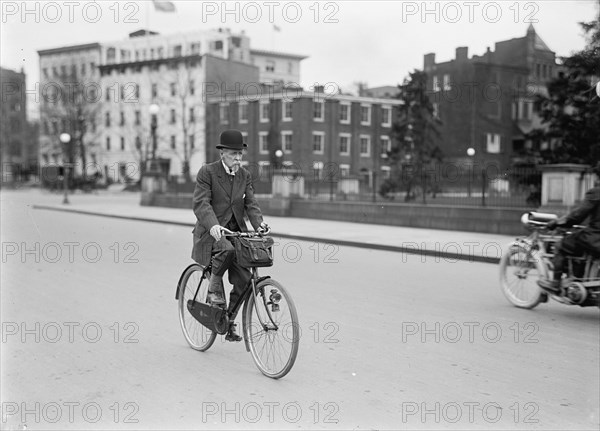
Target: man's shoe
(232, 334)
(549, 285)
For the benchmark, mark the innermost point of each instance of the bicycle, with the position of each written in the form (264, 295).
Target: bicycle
(270, 322)
(528, 259)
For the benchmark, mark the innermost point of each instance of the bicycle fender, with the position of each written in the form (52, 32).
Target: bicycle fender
(181, 278)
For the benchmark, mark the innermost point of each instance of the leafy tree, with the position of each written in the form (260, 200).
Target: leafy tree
(571, 110)
(415, 133)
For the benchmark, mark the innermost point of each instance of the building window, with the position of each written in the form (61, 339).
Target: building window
(345, 144)
(122, 143)
(173, 142)
(286, 142)
(365, 115)
(447, 86)
(318, 110)
(192, 87)
(263, 143)
(177, 51)
(436, 83)
(243, 112)
(264, 111)
(318, 142)
(318, 170)
(218, 45)
(344, 113)
(492, 143)
(365, 145)
(173, 116)
(192, 141)
(122, 119)
(344, 171)
(173, 89)
(107, 119)
(386, 116)
(286, 110)
(224, 113)
(386, 146)
(138, 116)
(108, 143)
(154, 91)
(386, 172)
(195, 48)
(270, 66)
(436, 110)
(192, 116)
(138, 143)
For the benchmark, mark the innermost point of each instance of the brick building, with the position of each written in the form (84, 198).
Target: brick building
(18, 143)
(322, 136)
(486, 102)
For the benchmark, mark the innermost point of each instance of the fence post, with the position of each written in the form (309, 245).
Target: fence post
(483, 184)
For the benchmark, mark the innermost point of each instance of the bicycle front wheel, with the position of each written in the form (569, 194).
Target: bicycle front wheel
(271, 329)
(519, 272)
(197, 335)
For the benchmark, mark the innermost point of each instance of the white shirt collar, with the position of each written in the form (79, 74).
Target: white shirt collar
(227, 169)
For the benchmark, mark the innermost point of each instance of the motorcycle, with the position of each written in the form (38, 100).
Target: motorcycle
(528, 259)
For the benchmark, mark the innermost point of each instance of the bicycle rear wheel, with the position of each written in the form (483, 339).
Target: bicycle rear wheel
(519, 272)
(197, 335)
(272, 333)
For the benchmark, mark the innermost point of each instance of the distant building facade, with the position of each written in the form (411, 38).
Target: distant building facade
(321, 136)
(486, 102)
(18, 143)
(176, 72)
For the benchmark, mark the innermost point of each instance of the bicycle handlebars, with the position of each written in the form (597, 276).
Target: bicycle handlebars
(259, 232)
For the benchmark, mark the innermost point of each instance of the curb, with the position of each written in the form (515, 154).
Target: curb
(397, 249)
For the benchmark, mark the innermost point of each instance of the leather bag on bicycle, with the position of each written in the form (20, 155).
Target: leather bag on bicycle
(254, 252)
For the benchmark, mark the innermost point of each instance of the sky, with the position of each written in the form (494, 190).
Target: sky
(376, 42)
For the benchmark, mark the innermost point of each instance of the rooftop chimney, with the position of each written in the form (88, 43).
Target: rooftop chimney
(462, 53)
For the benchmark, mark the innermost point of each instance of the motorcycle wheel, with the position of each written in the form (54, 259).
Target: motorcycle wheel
(519, 272)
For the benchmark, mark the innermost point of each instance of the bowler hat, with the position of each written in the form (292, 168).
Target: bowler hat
(232, 139)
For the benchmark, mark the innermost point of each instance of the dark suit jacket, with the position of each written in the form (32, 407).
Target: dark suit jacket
(215, 201)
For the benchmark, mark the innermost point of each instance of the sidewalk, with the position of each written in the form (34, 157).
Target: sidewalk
(449, 245)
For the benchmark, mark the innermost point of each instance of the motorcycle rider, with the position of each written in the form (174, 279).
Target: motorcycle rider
(584, 240)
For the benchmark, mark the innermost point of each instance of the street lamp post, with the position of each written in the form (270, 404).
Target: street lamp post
(154, 109)
(470, 153)
(65, 138)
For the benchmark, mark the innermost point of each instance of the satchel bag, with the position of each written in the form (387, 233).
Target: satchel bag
(254, 252)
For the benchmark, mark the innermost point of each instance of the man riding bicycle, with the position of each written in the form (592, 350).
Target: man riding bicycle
(222, 195)
(584, 240)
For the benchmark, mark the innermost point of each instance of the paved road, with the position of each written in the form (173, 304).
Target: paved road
(91, 340)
